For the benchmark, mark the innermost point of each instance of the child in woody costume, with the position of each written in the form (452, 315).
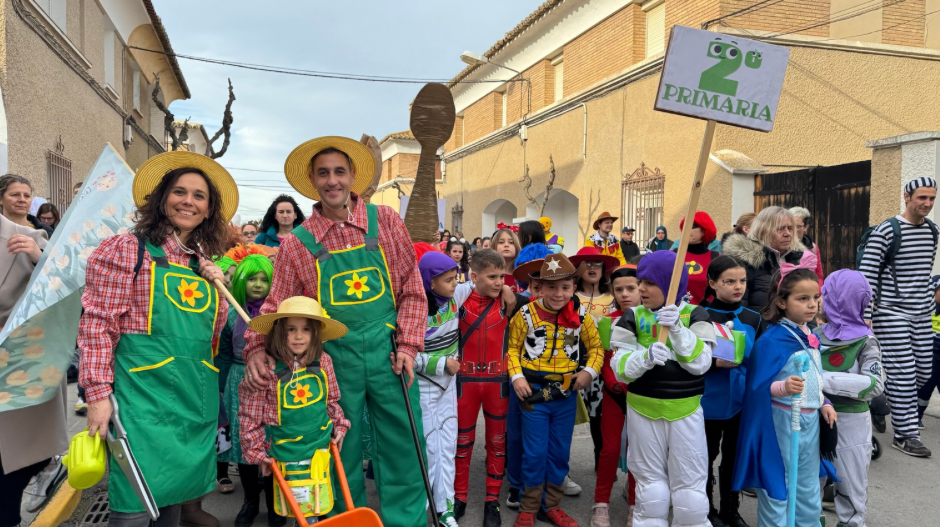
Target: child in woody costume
(300, 406)
(251, 284)
(436, 367)
(665, 425)
(544, 356)
(852, 376)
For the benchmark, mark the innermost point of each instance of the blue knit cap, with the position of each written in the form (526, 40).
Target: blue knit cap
(657, 268)
(533, 251)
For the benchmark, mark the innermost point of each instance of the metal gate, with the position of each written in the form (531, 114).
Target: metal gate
(59, 169)
(837, 197)
(641, 196)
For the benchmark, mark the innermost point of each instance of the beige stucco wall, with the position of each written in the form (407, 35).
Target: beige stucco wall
(885, 183)
(832, 103)
(44, 99)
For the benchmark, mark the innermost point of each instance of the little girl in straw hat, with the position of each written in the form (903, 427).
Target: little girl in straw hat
(300, 405)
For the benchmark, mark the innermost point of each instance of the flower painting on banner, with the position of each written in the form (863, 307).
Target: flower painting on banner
(38, 340)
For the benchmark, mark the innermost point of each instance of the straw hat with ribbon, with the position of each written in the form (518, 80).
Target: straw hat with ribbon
(297, 167)
(604, 216)
(556, 267)
(590, 254)
(304, 307)
(152, 172)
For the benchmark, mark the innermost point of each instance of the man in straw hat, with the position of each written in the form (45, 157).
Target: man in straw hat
(602, 239)
(544, 357)
(148, 335)
(358, 260)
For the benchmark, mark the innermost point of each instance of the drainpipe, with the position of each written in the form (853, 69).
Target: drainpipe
(584, 139)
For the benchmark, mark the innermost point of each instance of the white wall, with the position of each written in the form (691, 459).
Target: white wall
(499, 210)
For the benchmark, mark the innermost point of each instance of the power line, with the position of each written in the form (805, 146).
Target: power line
(830, 19)
(743, 11)
(255, 170)
(925, 15)
(318, 74)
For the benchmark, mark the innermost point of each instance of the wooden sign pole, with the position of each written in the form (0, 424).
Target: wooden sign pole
(689, 218)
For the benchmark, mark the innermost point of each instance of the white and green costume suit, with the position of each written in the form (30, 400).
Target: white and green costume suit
(852, 376)
(667, 452)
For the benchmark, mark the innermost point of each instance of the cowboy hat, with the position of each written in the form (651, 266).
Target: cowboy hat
(152, 172)
(590, 254)
(304, 307)
(528, 271)
(297, 167)
(604, 216)
(556, 267)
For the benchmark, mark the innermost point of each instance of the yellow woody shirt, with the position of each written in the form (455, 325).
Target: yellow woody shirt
(535, 343)
(609, 246)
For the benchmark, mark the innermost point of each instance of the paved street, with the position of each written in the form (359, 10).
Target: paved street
(902, 489)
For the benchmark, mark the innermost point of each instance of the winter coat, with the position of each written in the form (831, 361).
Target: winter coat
(760, 263)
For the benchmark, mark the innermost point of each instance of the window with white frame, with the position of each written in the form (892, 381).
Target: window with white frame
(137, 90)
(108, 58)
(55, 10)
(559, 66)
(655, 28)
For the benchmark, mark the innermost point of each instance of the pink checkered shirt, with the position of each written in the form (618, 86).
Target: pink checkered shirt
(257, 408)
(295, 271)
(116, 303)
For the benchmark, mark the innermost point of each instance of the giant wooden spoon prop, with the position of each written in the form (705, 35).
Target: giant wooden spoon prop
(432, 122)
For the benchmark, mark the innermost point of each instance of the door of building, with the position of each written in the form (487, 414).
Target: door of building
(838, 198)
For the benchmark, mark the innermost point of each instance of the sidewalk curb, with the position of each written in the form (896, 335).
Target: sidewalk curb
(60, 507)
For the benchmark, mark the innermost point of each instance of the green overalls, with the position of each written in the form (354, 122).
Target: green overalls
(355, 289)
(168, 390)
(301, 440)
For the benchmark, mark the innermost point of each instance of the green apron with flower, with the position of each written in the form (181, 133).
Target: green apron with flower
(301, 440)
(355, 289)
(168, 390)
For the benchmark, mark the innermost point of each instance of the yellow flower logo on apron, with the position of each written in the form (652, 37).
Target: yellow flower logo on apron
(357, 285)
(301, 393)
(187, 293)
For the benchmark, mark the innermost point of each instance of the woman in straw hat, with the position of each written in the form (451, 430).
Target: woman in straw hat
(150, 323)
(292, 408)
(359, 261)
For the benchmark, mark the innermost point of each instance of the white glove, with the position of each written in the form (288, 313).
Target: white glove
(730, 325)
(657, 355)
(668, 316)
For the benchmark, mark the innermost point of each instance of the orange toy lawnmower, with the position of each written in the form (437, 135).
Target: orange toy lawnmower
(353, 517)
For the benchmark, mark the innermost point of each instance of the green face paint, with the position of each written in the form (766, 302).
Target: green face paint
(257, 286)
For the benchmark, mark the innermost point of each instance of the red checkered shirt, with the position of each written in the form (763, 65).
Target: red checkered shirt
(116, 303)
(295, 271)
(257, 408)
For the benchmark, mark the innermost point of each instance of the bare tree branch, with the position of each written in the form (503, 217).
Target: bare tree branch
(528, 183)
(226, 127)
(592, 210)
(548, 188)
(168, 117)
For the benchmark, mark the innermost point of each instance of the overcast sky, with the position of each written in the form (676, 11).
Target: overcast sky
(274, 112)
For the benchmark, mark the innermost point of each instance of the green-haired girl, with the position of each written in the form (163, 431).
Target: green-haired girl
(251, 284)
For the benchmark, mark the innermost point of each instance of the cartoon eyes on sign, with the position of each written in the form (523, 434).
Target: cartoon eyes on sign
(715, 78)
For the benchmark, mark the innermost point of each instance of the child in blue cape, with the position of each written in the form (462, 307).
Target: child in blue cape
(774, 375)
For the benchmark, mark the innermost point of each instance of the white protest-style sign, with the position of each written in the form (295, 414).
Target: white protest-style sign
(722, 77)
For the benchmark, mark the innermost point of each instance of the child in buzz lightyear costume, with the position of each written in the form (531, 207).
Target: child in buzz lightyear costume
(668, 454)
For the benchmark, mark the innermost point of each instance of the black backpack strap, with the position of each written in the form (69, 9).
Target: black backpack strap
(140, 255)
(476, 323)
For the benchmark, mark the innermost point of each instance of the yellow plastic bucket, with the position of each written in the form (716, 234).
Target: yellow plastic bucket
(85, 460)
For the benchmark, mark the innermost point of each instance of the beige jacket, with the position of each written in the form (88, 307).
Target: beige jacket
(29, 435)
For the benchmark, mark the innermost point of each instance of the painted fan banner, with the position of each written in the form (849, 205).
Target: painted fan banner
(39, 339)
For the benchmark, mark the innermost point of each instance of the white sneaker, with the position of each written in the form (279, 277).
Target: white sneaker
(570, 487)
(43, 485)
(600, 515)
(81, 407)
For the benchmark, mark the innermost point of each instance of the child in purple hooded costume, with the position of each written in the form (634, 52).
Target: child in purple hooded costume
(852, 376)
(667, 451)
